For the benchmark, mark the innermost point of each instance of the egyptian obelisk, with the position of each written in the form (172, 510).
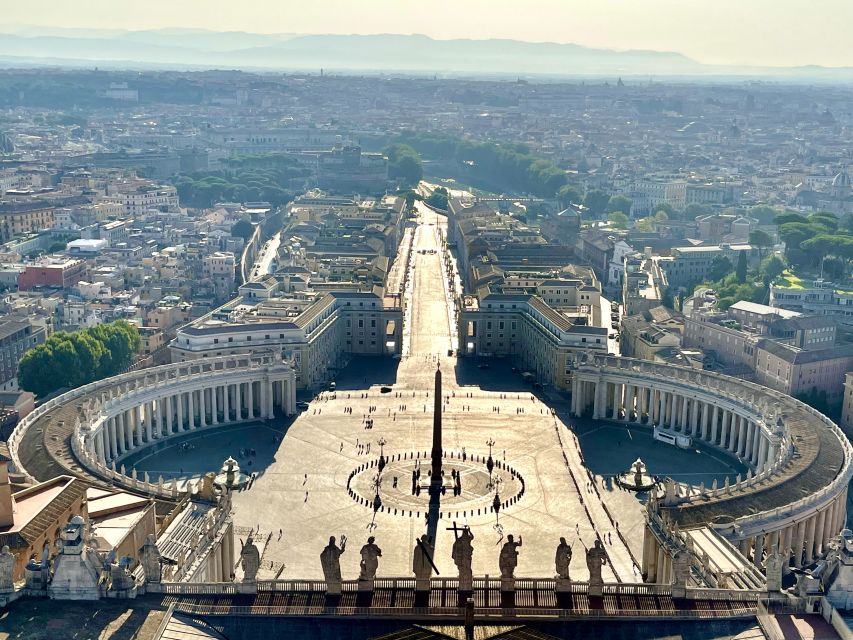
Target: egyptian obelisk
(435, 483)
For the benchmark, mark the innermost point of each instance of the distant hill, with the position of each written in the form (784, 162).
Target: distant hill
(191, 48)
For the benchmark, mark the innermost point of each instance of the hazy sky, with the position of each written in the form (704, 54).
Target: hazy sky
(763, 32)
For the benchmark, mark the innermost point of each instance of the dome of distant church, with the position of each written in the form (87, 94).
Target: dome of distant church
(841, 180)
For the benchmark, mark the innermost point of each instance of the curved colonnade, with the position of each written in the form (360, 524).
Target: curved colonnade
(118, 416)
(794, 495)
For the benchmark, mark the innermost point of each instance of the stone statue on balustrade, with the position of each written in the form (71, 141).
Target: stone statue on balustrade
(151, 560)
(330, 559)
(596, 557)
(122, 581)
(680, 573)
(370, 554)
(7, 570)
(250, 559)
(422, 562)
(508, 561)
(773, 568)
(38, 572)
(463, 555)
(562, 560)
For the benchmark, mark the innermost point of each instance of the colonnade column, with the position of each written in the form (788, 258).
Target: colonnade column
(211, 404)
(785, 547)
(809, 542)
(190, 411)
(715, 419)
(169, 417)
(147, 420)
(114, 437)
(250, 398)
(179, 399)
(800, 542)
(202, 409)
(672, 409)
(226, 392)
(761, 459)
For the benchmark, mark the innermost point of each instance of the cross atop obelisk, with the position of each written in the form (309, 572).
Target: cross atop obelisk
(436, 433)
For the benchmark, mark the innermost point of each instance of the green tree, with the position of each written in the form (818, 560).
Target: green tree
(77, 358)
(596, 202)
(740, 271)
(789, 216)
(694, 210)
(760, 238)
(243, 229)
(439, 198)
(828, 220)
(721, 266)
(620, 203)
(618, 219)
(765, 214)
(771, 268)
(793, 234)
(404, 164)
(568, 195)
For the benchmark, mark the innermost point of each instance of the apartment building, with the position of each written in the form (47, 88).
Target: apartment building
(817, 297)
(798, 371)
(16, 338)
(19, 219)
(140, 200)
(52, 272)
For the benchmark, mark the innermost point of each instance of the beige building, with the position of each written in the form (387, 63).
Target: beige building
(645, 335)
(20, 221)
(797, 371)
(34, 516)
(318, 339)
(542, 339)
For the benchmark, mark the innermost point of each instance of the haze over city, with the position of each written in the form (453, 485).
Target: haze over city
(779, 33)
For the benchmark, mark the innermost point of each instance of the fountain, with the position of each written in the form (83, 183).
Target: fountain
(230, 477)
(636, 478)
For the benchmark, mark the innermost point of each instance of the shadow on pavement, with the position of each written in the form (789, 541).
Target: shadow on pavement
(253, 445)
(364, 371)
(490, 374)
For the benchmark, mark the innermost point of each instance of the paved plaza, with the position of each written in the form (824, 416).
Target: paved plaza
(304, 493)
(320, 479)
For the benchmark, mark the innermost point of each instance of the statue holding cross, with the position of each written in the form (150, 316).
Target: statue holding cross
(422, 562)
(463, 555)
